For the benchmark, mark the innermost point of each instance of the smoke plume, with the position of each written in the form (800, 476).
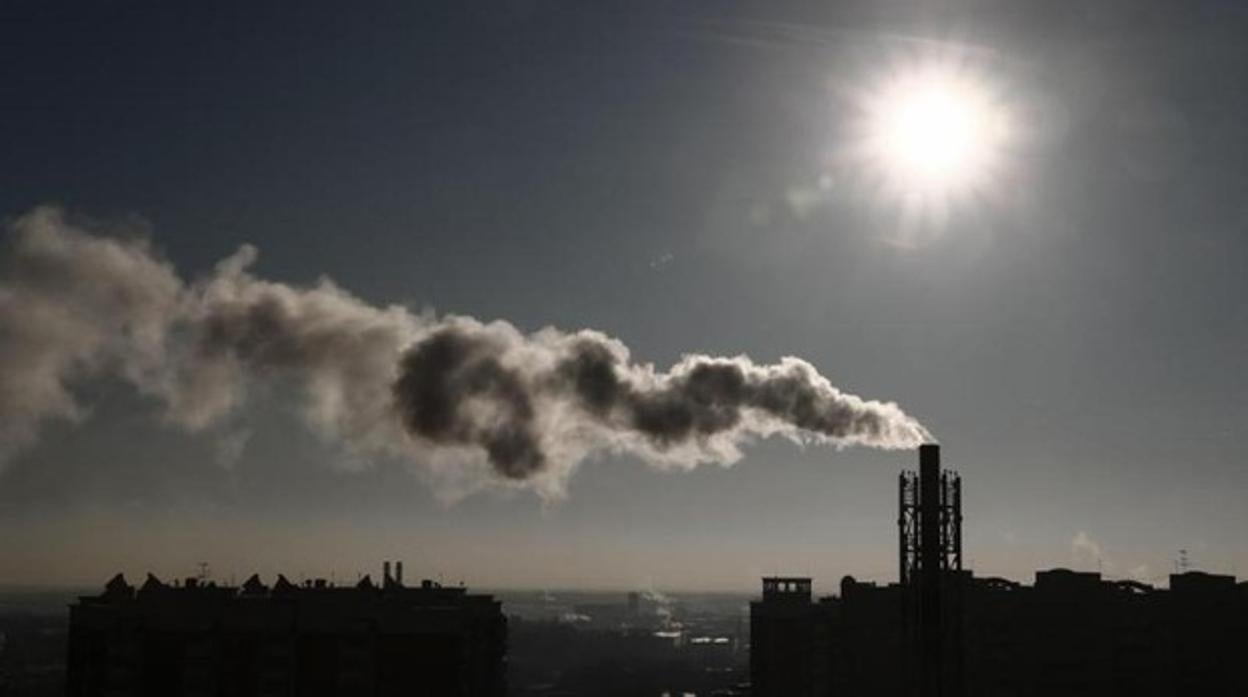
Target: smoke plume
(473, 402)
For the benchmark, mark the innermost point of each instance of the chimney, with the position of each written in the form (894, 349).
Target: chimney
(929, 511)
(385, 574)
(930, 554)
(398, 573)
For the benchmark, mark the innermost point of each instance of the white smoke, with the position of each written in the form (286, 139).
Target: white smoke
(1085, 550)
(73, 306)
(475, 403)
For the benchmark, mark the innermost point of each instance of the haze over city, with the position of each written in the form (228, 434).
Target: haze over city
(1037, 262)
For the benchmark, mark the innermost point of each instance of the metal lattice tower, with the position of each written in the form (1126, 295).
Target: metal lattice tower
(929, 523)
(909, 524)
(951, 521)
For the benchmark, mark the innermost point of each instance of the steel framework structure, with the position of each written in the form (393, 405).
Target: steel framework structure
(910, 526)
(929, 524)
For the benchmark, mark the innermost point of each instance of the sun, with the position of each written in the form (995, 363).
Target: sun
(931, 135)
(932, 132)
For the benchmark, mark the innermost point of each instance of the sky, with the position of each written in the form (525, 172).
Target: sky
(667, 173)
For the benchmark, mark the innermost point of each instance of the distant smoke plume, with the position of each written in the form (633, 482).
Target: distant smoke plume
(475, 402)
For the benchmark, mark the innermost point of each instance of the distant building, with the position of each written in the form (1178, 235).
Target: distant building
(290, 640)
(941, 632)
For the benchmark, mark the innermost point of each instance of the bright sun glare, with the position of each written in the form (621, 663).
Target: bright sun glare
(933, 135)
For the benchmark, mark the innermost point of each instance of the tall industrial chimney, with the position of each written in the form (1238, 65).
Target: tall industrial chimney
(931, 554)
(398, 573)
(929, 522)
(385, 574)
(930, 551)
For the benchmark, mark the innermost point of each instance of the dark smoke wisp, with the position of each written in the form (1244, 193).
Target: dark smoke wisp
(473, 402)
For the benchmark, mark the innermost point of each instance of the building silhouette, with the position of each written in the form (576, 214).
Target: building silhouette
(198, 638)
(943, 632)
(789, 640)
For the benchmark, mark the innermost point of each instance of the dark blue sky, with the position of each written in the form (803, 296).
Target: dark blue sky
(1075, 339)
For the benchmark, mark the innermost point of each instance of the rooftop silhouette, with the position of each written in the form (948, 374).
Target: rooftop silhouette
(312, 638)
(941, 631)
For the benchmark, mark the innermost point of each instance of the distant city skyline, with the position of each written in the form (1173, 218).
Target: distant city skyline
(1070, 328)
